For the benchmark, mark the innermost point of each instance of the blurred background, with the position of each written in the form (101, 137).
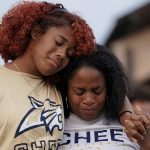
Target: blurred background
(124, 26)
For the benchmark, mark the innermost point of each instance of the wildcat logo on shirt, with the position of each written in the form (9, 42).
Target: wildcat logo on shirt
(45, 113)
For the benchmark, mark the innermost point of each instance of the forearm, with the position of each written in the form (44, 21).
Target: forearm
(145, 144)
(125, 111)
(127, 106)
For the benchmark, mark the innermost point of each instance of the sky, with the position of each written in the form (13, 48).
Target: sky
(101, 15)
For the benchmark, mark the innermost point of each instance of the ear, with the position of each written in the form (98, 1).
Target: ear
(36, 32)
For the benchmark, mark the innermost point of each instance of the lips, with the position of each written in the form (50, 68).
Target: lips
(88, 111)
(89, 107)
(88, 114)
(53, 62)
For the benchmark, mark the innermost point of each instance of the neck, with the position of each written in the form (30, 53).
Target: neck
(23, 65)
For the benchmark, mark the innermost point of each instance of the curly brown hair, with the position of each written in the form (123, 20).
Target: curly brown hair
(18, 23)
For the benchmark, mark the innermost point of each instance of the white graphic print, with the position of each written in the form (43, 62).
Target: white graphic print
(45, 113)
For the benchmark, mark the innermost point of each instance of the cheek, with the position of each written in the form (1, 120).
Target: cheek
(73, 99)
(102, 97)
(101, 101)
(66, 62)
(39, 58)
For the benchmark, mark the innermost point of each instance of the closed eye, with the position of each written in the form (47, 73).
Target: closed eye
(79, 92)
(60, 40)
(97, 90)
(59, 43)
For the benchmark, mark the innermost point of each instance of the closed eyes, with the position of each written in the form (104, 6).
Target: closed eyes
(58, 43)
(96, 91)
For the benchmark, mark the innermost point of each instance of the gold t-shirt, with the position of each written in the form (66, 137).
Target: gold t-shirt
(31, 113)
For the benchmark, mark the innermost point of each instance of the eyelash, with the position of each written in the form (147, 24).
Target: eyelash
(80, 93)
(70, 52)
(97, 93)
(59, 43)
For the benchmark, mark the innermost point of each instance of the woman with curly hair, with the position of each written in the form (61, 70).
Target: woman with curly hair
(37, 40)
(94, 90)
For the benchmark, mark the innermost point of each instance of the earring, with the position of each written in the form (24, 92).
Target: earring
(67, 103)
(107, 97)
(34, 37)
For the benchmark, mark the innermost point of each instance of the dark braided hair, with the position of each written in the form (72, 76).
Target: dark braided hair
(104, 61)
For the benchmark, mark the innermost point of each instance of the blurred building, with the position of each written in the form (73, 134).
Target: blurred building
(130, 41)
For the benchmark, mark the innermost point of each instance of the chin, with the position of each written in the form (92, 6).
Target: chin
(88, 117)
(49, 73)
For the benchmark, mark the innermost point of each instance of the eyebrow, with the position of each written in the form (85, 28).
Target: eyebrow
(63, 37)
(99, 88)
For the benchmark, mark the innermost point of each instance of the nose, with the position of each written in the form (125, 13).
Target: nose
(89, 99)
(61, 53)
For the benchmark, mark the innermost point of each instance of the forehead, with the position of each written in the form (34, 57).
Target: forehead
(88, 70)
(65, 32)
(87, 75)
